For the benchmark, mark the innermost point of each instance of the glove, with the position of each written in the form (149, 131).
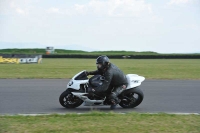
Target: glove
(87, 73)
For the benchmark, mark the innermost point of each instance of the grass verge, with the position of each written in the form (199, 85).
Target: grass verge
(66, 68)
(99, 122)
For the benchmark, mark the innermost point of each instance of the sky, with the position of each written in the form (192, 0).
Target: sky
(163, 26)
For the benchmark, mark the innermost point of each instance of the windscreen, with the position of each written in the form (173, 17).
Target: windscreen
(82, 76)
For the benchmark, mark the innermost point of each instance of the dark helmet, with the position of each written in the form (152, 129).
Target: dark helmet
(103, 61)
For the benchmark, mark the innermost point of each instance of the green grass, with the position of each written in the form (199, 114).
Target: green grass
(99, 122)
(66, 68)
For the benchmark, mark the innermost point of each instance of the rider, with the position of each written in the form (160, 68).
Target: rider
(115, 79)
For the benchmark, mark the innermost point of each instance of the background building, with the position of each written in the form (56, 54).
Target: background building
(50, 50)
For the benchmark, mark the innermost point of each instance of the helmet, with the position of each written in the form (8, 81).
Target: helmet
(102, 62)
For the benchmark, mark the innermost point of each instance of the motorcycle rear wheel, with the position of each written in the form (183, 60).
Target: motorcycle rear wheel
(131, 98)
(68, 100)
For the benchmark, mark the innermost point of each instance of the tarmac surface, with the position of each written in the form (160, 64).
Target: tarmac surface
(41, 96)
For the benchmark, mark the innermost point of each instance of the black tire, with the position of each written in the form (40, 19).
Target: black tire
(68, 100)
(129, 99)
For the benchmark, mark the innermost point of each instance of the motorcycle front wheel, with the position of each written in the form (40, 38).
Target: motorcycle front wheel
(68, 100)
(131, 98)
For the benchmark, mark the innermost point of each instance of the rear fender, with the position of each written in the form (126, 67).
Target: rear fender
(134, 80)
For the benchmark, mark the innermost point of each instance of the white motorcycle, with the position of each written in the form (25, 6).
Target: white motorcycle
(78, 87)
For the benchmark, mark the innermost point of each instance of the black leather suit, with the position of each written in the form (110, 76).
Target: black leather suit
(115, 81)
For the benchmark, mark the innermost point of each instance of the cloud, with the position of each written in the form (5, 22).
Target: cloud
(20, 11)
(115, 7)
(12, 7)
(21, 7)
(80, 9)
(106, 8)
(177, 2)
(53, 10)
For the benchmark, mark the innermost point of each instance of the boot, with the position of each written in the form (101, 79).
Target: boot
(114, 104)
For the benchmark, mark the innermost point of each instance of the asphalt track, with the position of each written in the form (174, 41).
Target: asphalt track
(40, 96)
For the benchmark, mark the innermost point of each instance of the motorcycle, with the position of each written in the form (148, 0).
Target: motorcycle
(77, 92)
